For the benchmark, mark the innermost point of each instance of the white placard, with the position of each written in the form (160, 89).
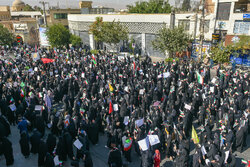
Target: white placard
(234, 79)
(141, 91)
(83, 75)
(126, 119)
(144, 144)
(153, 139)
(115, 106)
(36, 69)
(139, 122)
(56, 161)
(78, 144)
(212, 89)
(38, 78)
(38, 107)
(188, 107)
(126, 89)
(203, 150)
(166, 74)
(160, 76)
(50, 73)
(213, 80)
(12, 107)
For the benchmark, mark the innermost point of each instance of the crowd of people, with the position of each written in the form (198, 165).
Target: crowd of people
(158, 109)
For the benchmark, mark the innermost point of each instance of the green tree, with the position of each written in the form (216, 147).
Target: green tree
(114, 32)
(28, 8)
(171, 40)
(152, 6)
(6, 37)
(58, 36)
(108, 32)
(75, 40)
(243, 44)
(221, 54)
(96, 30)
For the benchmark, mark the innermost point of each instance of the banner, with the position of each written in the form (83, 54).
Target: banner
(43, 37)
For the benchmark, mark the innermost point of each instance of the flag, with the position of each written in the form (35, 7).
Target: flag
(194, 136)
(127, 144)
(22, 93)
(182, 114)
(11, 100)
(244, 161)
(111, 89)
(82, 111)
(40, 95)
(134, 65)
(47, 60)
(94, 62)
(86, 82)
(110, 107)
(199, 77)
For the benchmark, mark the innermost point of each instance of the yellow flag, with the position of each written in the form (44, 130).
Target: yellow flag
(195, 136)
(111, 88)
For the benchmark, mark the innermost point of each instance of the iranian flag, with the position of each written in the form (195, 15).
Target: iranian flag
(199, 78)
(22, 93)
(86, 82)
(40, 95)
(244, 161)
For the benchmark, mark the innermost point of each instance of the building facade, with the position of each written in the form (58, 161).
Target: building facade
(5, 13)
(61, 16)
(223, 17)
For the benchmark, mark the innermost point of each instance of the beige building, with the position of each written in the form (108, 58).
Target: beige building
(17, 5)
(5, 13)
(61, 16)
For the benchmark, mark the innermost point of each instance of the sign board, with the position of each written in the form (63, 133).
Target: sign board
(246, 16)
(43, 37)
(215, 36)
(20, 27)
(205, 49)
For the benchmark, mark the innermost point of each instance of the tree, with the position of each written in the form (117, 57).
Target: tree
(186, 5)
(58, 36)
(96, 30)
(114, 32)
(171, 40)
(221, 54)
(28, 8)
(6, 37)
(152, 6)
(108, 32)
(243, 44)
(75, 40)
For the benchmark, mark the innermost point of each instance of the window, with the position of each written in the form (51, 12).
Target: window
(185, 24)
(224, 11)
(206, 26)
(241, 27)
(60, 15)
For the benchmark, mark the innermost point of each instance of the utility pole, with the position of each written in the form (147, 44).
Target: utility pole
(202, 28)
(44, 12)
(195, 26)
